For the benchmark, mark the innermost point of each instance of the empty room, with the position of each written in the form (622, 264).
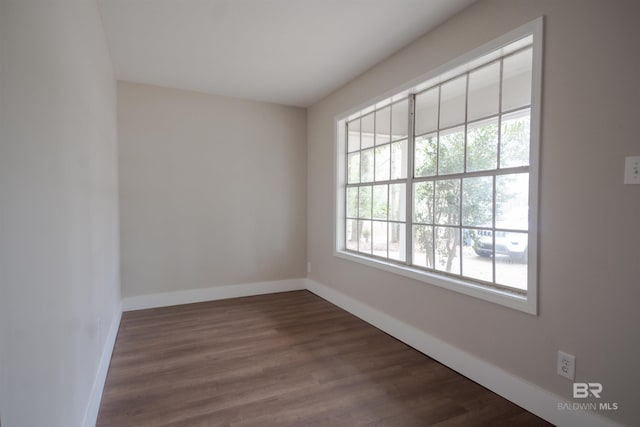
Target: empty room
(319, 213)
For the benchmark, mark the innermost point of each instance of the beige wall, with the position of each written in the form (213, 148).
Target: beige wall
(589, 255)
(212, 190)
(59, 272)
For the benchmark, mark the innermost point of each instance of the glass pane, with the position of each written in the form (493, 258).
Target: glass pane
(368, 131)
(353, 135)
(515, 139)
(366, 165)
(477, 254)
(383, 125)
(426, 156)
(353, 165)
(426, 119)
(364, 202)
(383, 167)
(512, 201)
(447, 200)
(423, 202)
(484, 91)
(447, 240)
(399, 120)
(477, 201)
(380, 206)
(397, 202)
(399, 157)
(380, 238)
(423, 246)
(482, 145)
(451, 154)
(352, 234)
(364, 243)
(397, 241)
(512, 250)
(352, 202)
(452, 102)
(516, 80)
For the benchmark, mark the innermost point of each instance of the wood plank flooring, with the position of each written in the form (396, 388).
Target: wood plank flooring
(287, 359)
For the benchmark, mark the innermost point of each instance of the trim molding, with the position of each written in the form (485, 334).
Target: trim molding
(531, 397)
(91, 413)
(189, 296)
(515, 389)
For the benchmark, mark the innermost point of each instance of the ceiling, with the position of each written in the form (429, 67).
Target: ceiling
(292, 52)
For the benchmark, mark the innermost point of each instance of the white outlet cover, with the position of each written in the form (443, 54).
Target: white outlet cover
(632, 170)
(566, 365)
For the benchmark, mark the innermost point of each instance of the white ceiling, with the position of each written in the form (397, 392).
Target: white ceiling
(292, 52)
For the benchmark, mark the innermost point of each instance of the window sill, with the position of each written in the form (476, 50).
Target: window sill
(526, 304)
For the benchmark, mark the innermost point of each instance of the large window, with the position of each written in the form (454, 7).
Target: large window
(439, 181)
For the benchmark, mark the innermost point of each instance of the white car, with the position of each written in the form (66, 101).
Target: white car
(513, 245)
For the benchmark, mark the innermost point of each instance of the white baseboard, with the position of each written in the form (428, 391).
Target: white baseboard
(210, 294)
(91, 413)
(517, 390)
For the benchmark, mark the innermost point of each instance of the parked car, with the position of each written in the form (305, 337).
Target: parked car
(513, 245)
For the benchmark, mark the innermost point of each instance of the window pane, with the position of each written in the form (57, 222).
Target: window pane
(426, 119)
(451, 154)
(516, 80)
(397, 241)
(352, 202)
(515, 139)
(364, 244)
(380, 206)
(452, 102)
(353, 165)
(423, 246)
(364, 202)
(477, 201)
(484, 91)
(399, 120)
(397, 202)
(482, 145)
(423, 202)
(447, 249)
(477, 254)
(368, 131)
(512, 201)
(352, 234)
(353, 135)
(512, 250)
(426, 155)
(383, 125)
(399, 157)
(383, 167)
(380, 238)
(447, 208)
(366, 165)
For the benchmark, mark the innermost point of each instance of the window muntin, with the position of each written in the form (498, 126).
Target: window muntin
(463, 154)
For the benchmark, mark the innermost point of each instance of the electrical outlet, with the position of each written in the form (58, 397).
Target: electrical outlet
(566, 365)
(632, 170)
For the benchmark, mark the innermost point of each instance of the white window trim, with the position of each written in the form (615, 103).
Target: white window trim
(527, 303)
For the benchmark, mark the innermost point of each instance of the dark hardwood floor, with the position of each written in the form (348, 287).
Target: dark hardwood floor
(288, 359)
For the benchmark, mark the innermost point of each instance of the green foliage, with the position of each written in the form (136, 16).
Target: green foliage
(514, 147)
(477, 192)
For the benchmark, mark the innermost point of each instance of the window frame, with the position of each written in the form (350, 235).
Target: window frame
(482, 55)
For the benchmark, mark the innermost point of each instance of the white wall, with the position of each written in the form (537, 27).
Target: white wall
(212, 190)
(589, 255)
(59, 272)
